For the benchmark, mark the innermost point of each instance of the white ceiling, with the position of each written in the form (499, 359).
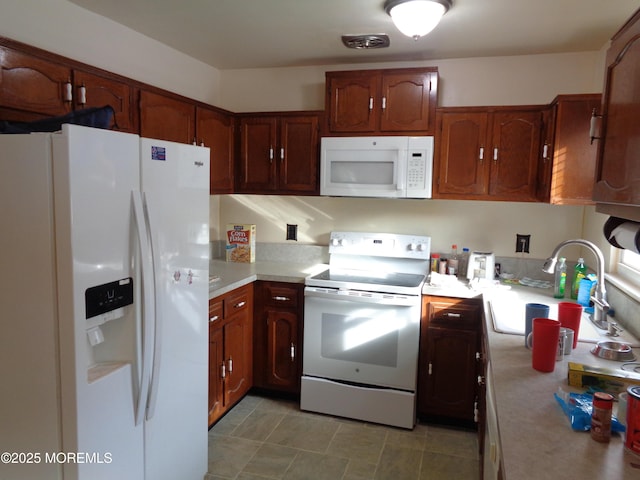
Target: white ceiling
(230, 34)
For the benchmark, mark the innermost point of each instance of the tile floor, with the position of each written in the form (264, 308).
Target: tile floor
(264, 438)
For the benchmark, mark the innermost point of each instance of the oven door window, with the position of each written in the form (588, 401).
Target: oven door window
(364, 343)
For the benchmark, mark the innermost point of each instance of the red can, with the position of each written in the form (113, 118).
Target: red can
(632, 442)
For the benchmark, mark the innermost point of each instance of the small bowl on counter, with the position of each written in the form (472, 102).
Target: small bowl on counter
(617, 351)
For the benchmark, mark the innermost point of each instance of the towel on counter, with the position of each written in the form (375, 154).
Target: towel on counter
(530, 282)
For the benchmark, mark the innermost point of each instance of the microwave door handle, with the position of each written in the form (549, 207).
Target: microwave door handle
(401, 171)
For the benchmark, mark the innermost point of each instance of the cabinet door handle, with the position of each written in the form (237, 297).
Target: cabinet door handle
(545, 152)
(240, 304)
(278, 298)
(384, 103)
(495, 154)
(82, 94)
(214, 318)
(481, 154)
(293, 352)
(480, 380)
(223, 371)
(476, 412)
(430, 368)
(67, 91)
(230, 361)
(478, 356)
(593, 126)
(370, 103)
(282, 153)
(270, 154)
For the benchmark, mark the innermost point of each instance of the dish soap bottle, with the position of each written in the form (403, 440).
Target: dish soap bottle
(579, 273)
(561, 279)
(453, 260)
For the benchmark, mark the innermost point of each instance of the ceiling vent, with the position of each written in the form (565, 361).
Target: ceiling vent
(378, 40)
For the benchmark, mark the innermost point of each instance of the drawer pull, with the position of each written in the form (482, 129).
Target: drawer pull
(278, 298)
(480, 380)
(214, 318)
(240, 304)
(453, 315)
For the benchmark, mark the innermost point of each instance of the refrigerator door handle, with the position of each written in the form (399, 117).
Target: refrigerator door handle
(148, 306)
(157, 322)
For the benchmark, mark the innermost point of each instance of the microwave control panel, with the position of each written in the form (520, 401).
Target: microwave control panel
(419, 167)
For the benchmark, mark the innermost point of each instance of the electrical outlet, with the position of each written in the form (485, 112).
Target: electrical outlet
(522, 243)
(292, 232)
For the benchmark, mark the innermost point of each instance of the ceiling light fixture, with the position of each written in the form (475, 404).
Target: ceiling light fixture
(416, 18)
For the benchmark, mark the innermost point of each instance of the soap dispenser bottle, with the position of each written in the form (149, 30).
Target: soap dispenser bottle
(561, 279)
(579, 273)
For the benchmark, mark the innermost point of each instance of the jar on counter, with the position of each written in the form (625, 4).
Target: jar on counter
(442, 269)
(632, 439)
(601, 417)
(435, 259)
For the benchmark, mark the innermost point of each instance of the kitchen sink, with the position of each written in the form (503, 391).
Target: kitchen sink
(507, 311)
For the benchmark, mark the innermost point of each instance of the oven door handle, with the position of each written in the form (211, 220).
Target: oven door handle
(363, 297)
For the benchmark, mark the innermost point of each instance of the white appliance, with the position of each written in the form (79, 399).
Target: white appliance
(362, 327)
(103, 353)
(481, 266)
(390, 167)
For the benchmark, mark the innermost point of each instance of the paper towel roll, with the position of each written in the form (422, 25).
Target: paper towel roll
(623, 234)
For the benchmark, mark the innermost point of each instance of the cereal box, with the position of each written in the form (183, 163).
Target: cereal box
(241, 243)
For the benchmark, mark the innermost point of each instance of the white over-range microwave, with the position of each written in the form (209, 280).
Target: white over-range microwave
(389, 167)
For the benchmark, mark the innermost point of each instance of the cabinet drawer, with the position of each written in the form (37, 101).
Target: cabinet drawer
(457, 315)
(236, 301)
(215, 310)
(281, 295)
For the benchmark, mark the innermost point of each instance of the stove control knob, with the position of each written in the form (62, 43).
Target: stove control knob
(337, 242)
(413, 247)
(421, 247)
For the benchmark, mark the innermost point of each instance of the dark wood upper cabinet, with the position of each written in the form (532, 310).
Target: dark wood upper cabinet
(96, 91)
(279, 153)
(381, 101)
(32, 88)
(166, 118)
(617, 182)
(216, 130)
(488, 153)
(568, 161)
(515, 148)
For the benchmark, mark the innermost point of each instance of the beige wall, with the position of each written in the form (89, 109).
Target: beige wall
(66, 29)
(516, 80)
(62, 27)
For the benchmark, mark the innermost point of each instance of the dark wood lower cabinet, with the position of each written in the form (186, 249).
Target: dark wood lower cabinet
(230, 349)
(278, 336)
(449, 364)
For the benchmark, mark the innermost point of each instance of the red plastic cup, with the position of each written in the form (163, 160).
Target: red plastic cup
(544, 336)
(569, 315)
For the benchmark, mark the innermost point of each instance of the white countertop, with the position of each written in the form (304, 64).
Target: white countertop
(536, 439)
(233, 275)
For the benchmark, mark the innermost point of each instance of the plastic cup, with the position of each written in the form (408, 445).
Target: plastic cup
(531, 311)
(569, 315)
(544, 336)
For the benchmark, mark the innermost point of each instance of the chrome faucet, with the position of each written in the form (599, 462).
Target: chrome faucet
(601, 307)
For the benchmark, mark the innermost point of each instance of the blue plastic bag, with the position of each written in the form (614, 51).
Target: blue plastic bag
(578, 407)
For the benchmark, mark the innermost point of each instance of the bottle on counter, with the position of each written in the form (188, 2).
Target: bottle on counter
(579, 273)
(452, 263)
(561, 279)
(463, 262)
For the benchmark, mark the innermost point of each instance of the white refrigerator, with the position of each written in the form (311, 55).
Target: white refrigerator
(104, 254)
